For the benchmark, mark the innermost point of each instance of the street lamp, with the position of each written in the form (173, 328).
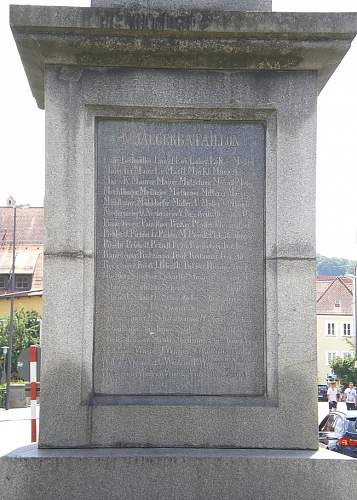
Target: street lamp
(354, 302)
(12, 307)
(4, 352)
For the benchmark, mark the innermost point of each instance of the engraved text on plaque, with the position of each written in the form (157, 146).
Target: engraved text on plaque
(179, 258)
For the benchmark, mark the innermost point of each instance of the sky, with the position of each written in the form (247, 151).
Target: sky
(22, 124)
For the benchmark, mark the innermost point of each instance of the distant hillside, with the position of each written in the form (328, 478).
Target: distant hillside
(334, 266)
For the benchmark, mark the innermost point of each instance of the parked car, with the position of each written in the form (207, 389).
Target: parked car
(322, 392)
(338, 432)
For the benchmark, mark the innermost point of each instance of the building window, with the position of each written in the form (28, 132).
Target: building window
(346, 329)
(330, 357)
(4, 281)
(330, 329)
(23, 282)
(346, 354)
(338, 303)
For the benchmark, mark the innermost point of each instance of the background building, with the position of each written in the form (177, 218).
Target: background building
(29, 256)
(335, 332)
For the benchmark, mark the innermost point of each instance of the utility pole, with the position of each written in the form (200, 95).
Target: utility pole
(12, 306)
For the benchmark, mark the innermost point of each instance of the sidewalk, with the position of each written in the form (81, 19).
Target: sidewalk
(15, 428)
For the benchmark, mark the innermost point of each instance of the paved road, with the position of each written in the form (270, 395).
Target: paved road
(15, 426)
(15, 429)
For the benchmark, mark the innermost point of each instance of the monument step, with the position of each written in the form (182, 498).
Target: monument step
(168, 473)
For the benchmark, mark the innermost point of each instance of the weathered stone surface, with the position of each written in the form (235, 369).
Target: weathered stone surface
(230, 5)
(174, 474)
(179, 235)
(17, 397)
(121, 369)
(74, 101)
(159, 38)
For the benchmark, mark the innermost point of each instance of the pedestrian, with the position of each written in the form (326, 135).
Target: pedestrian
(350, 397)
(332, 396)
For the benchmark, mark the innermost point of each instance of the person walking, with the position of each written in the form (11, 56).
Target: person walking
(350, 397)
(332, 396)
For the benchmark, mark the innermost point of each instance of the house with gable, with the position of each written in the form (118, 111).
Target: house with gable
(28, 257)
(335, 332)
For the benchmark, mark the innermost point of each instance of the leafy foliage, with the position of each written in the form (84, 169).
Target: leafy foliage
(2, 397)
(334, 266)
(26, 332)
(345, 370)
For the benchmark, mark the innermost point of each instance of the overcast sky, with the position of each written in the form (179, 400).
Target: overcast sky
(22, 165)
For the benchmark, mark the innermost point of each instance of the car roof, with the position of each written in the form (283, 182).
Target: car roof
(346, 414)
(351, 414)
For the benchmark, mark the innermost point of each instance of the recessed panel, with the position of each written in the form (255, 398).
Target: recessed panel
(179, 280)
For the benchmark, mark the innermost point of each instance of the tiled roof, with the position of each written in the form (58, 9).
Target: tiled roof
(336, 298)
(323, 282)
(325, 278)
(29, 226)
(322, 285)
(25, 260)
(29, 243)
(29, 260)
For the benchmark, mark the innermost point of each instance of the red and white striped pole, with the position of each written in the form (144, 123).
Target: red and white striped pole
(33, 390)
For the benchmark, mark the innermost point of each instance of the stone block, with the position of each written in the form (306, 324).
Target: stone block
(172, 474)
(17, 397)
(222, 5)
(220, 408)
(179, 233)
(178, 39)
(100, 410)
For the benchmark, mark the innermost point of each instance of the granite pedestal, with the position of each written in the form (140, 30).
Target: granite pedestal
(180, 247)
(185, 474)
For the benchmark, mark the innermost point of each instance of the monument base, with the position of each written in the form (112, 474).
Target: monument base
(168, 473)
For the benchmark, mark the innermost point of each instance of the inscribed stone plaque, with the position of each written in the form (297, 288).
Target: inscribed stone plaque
(180, 258)
(223, 5)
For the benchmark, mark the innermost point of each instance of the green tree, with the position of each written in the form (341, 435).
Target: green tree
(26, 332)
(345, 370)
(334, 266)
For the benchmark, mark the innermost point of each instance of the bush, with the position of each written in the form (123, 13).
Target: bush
(26, 333)
(345, 370)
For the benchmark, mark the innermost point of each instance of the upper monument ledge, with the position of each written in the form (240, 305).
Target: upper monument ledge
(226, 5)
(186, 39)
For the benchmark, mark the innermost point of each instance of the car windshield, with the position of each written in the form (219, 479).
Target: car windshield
(351, 425)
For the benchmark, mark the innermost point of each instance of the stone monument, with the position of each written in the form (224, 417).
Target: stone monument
(179, 346)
